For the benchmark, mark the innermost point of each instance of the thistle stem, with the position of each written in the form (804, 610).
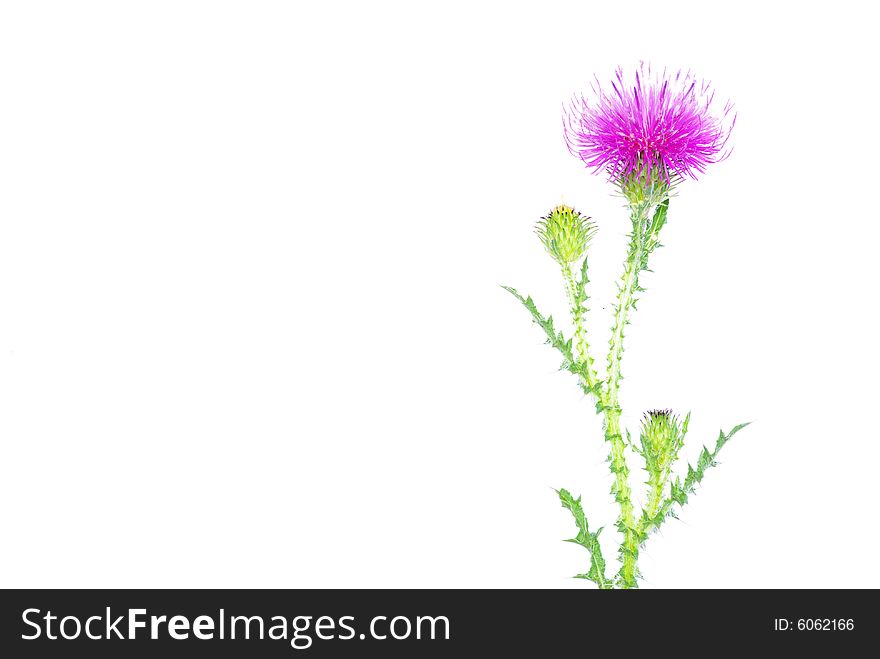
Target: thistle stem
(589, 378)
(626, 523)
(656, 486)
(625, 299)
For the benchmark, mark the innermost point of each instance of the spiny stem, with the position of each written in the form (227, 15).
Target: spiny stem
(589, 377)
(625, 299)
(656, 486)
(629, 549)
(626, 523)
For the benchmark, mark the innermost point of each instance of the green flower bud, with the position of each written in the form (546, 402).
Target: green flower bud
(662, 436)
(566, 234)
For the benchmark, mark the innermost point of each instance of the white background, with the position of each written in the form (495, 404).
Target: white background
(251, 332)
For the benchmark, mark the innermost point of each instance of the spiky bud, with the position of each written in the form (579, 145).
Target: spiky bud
(661, 437)
(565, 233)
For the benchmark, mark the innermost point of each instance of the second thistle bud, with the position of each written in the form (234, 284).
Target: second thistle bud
(662, 436)
(565, 233)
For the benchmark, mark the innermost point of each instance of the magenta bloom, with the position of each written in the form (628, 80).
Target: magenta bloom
(657, 126)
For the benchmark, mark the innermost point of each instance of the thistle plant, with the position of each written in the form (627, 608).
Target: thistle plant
(647, 135)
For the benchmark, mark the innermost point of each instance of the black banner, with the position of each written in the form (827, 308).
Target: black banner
(426, 623)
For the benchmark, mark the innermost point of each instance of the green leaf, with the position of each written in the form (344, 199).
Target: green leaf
(680, 491)
(590, 541)
(554, 338)
(659, 219)
(558, 341)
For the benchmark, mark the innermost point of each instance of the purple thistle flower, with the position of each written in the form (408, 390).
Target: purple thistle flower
(659, 127)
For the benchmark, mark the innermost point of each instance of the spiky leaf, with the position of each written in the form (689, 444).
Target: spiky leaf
(556, 339)
(680, 490)
(586, 539)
